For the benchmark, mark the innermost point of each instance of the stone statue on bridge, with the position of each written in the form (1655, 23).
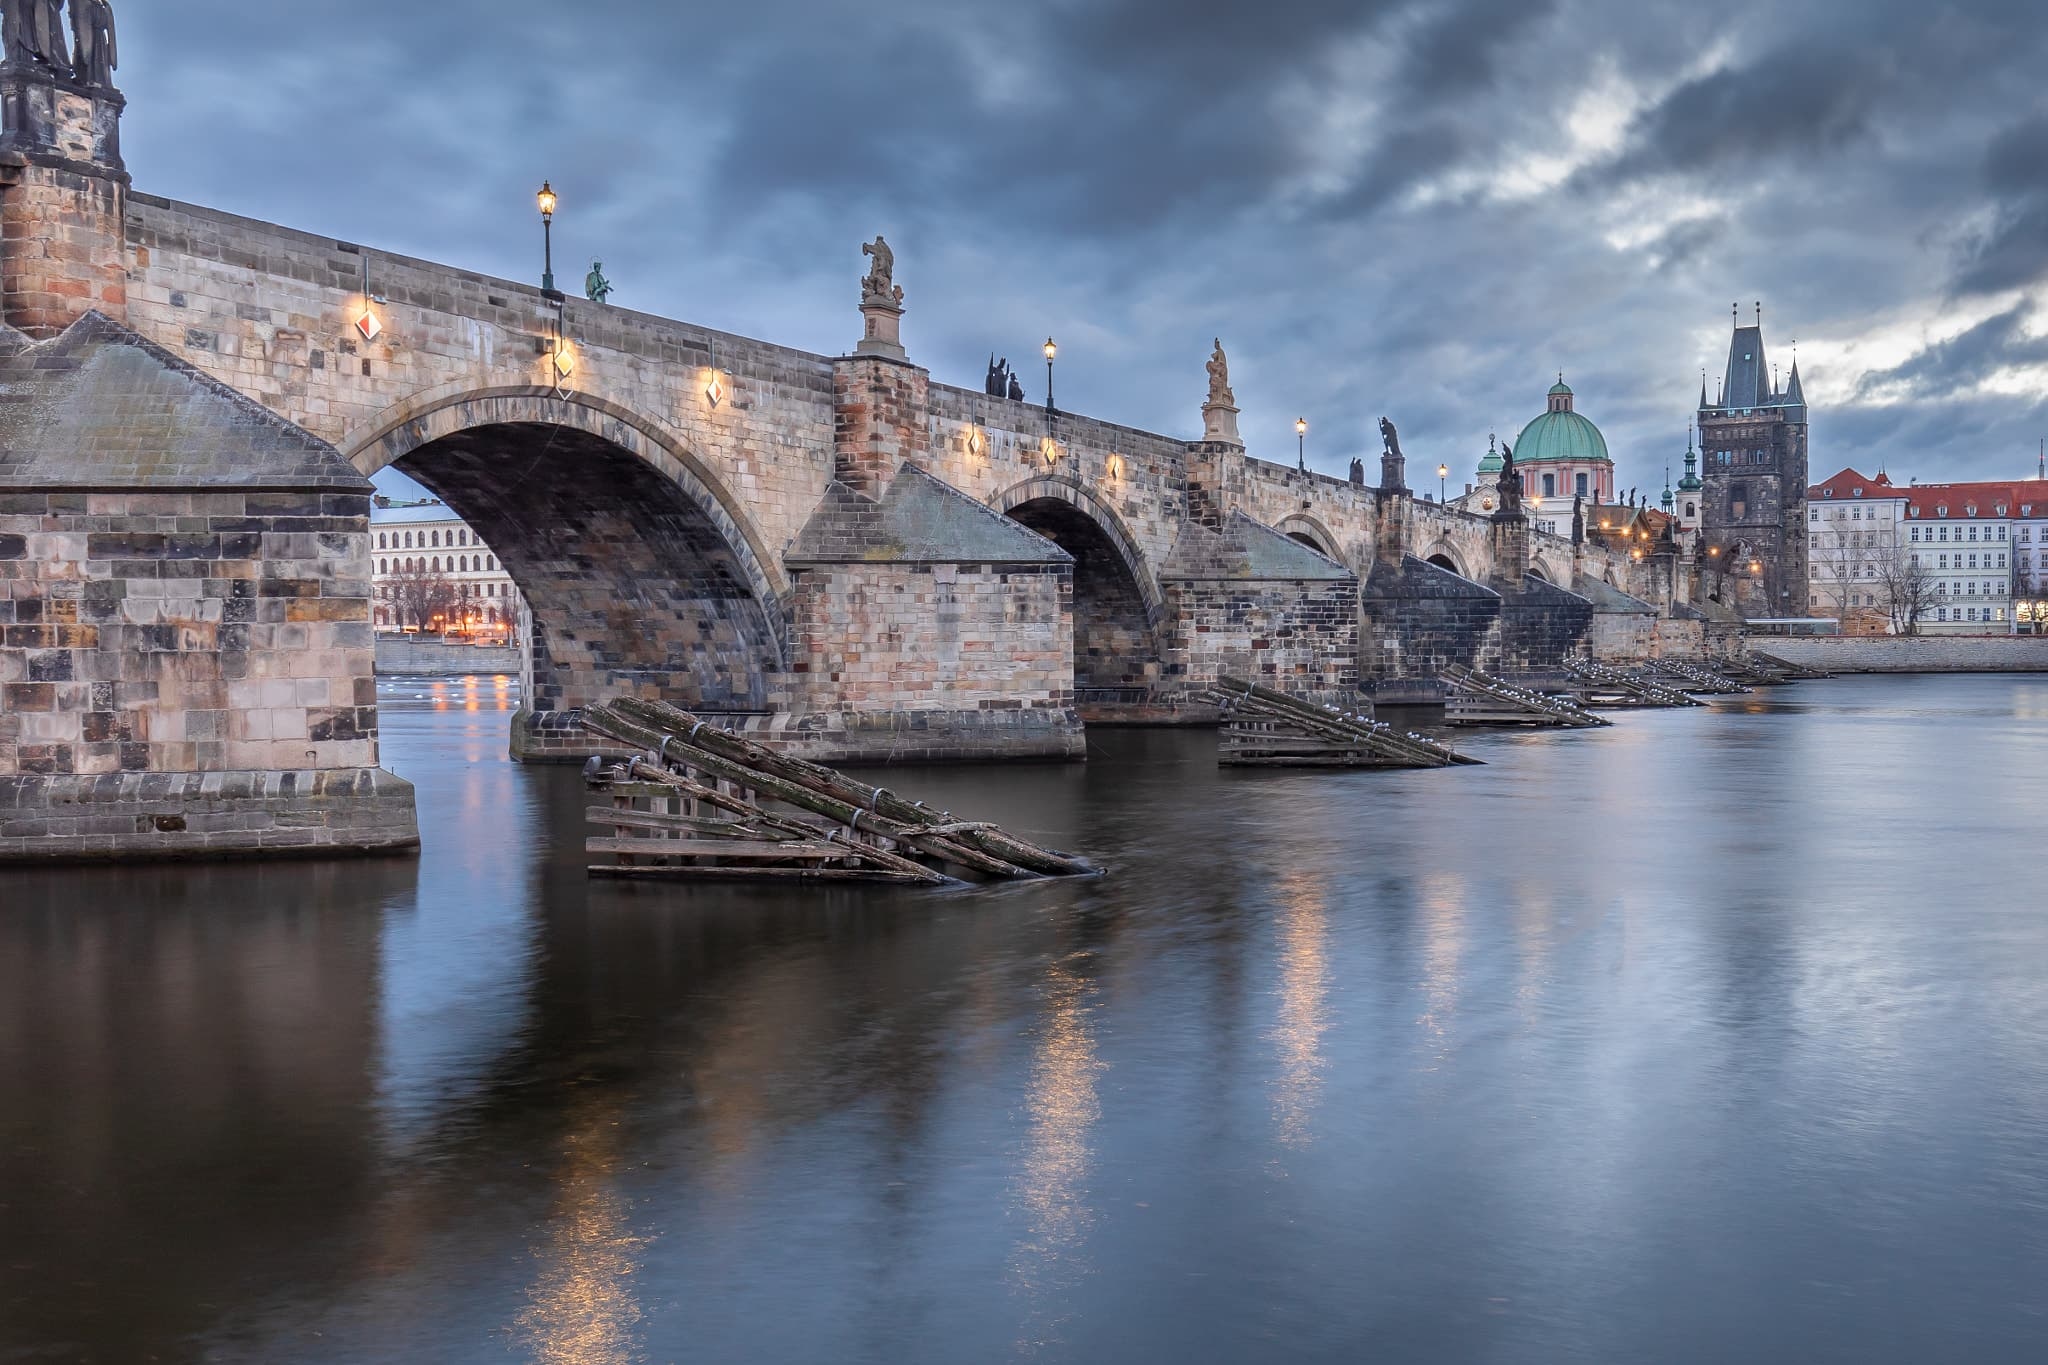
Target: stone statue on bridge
(93, 21)
(1220, 395)
(595, 286)
(1510, 483)
(1390, 438)
(1016, 393)
(1578, 519)
(879, 286)
(35, 33)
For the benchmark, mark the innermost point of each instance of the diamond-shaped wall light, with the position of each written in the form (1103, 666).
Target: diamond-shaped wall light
(974, 443)
(715, 391)
(1050, 449)
(368, 325)
(565, 359)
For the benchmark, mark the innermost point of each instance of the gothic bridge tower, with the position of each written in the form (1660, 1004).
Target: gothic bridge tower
(1753, 494)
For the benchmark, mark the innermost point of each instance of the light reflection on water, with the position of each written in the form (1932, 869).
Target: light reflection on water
(1717, 1035)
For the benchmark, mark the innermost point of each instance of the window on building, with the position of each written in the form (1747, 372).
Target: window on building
(1972, 613)
(1550, 485)
(1973, 533)
(434, 564)
(1943, 564)
(1691, 510)
(2001, 530)
(1580, 485)
(1738, 501)
(1941, 613)
(2001, 613)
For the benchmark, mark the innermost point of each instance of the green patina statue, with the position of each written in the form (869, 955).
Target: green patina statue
(595, 284)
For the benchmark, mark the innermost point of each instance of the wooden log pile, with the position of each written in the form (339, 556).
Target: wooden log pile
(1697, 679)
(1605, 686)
(1267, 728)
(1475, 698)
(703, 802)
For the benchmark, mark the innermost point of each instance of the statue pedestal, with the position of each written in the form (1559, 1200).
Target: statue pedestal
(1219, 424)
(883, 333)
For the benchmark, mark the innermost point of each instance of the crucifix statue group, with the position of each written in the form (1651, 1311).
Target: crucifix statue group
(32, 34)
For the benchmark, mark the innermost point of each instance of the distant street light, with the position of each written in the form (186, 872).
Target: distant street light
(1443, 472)
(546, 198)
(1050, 351)
(1301, 445)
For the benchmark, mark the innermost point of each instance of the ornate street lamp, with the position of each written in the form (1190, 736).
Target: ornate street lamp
(546, 199)
(1050, 351)
(1301, 445)
(1443, 473)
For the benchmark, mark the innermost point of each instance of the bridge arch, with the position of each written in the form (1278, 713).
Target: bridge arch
(1118, 604)
(1442, 555)
(641, 574)
(1310, 531)
(1551, 569)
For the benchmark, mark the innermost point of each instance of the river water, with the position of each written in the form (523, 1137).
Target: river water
(1718, 1035)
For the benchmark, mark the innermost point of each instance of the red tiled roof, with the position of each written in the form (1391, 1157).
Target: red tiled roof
(1847, 485)
(1927, 499)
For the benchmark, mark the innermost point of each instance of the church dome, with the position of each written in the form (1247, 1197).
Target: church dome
(1561, 434)
(1490, 462)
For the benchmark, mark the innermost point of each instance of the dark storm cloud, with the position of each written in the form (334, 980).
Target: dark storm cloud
(1418, 207)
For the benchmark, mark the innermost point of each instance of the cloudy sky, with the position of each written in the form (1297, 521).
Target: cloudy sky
(1418, 209)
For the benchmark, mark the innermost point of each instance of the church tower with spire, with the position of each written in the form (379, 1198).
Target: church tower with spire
(1752, 493)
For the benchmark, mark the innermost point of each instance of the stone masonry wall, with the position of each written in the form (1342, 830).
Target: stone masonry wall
(60, 248)
(1298, 637)
(1910, 654)
(951, 636)
(933, 662)
(155, 632)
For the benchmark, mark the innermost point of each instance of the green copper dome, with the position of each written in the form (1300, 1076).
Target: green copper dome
(1561, 435)
(1490, 462)
(1560, 388)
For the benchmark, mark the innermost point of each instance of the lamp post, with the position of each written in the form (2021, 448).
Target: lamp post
(546, 199)
(1301, 445)
(1050, 351)
(1443, 474)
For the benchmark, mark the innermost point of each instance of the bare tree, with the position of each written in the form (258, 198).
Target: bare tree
(1910, 593)
(422, 598)
(1849, 563)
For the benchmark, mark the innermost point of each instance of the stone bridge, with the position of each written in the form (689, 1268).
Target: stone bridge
(841, 549)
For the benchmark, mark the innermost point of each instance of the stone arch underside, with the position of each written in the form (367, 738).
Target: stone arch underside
(1442, 556)
(1117, 604)
(1306, 530)
(634, 588)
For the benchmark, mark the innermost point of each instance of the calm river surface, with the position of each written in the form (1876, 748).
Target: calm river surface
(1717, 1036)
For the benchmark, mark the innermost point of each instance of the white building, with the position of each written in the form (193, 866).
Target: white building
(418, 547)
(1962, 532)
(1854, 535)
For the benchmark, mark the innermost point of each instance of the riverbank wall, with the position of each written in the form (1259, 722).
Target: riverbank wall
(1911, 654)
(404, 656)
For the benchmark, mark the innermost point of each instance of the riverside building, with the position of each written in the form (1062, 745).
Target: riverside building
(433, 575)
